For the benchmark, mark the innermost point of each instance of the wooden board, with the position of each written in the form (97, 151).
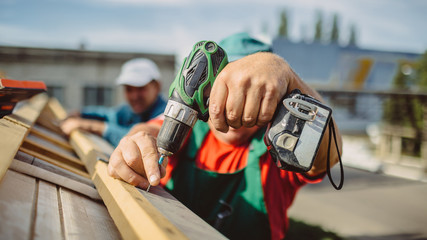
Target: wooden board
(21, 156)
(43, 200)
(11, 138)
(52, 115)
(59, 180)
(138, 214)
(15, 127)
(34, 209)
(55, 162)
(47, 148)
(48, 217)
(17, 199)
(85, 219)
(53, 137)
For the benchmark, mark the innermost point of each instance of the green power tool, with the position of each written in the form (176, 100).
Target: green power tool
(189, 95)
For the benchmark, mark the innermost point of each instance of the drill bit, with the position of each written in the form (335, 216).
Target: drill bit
(162, 157)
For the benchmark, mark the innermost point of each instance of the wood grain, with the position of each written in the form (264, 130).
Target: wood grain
(40, 173)
(17, 199)
(53, 137)
(55, 162)
(47, 220)
(138, 214)
(51, 150)
(15, 127)
(85, 219)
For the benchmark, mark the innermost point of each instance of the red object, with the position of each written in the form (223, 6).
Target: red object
(9, 83)
(13, 91)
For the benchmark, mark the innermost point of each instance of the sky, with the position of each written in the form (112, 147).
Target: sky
(173, 26)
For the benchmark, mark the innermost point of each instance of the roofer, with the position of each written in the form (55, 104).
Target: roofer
(140, 80)
(224, 165)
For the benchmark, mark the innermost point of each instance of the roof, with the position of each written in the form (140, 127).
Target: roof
(54, 188)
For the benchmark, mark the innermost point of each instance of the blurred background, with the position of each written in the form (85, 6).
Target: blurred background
(367, 58)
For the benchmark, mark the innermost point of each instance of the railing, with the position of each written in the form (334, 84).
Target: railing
(396, 119)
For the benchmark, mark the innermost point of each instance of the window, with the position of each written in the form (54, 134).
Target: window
(56, 92)
(98, 96)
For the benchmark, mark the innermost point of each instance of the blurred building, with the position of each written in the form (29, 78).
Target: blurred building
(78, 77)
(349, 78)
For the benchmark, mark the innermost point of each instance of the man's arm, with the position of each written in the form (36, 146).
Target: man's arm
(90, 125)
(247, 92)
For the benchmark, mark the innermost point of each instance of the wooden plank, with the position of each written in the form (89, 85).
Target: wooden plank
(55, 162)
(138, 214)
(53, 137)
(51, 150)
(21, 156)
(56, 109)
(52, 115)
(47, 220)
(40, 173)
(17, 197)
(15, 127)
(11, 138)
(86, 219)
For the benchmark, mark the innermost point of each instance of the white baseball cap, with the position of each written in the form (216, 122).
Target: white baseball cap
(138, 72)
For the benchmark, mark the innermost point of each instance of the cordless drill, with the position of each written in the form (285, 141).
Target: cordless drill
(189, 95)
(292, 138)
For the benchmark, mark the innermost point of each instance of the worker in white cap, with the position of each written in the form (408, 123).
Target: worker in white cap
(140, 80)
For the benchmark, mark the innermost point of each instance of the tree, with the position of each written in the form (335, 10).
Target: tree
(407, 111)
(335, 30)
(353, 36)
(318, 27)
(283, 27)
(421, 71)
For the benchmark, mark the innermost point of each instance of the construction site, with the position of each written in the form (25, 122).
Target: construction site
(59, 185)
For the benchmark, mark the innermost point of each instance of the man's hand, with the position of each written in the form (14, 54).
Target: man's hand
(72, 123)
(135, 160)
(247, 91)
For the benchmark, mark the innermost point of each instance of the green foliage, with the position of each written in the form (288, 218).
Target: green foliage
(318, 28)
(408, 111)
(353, 36)
(283, 28)
(335, 30)
(421, 71)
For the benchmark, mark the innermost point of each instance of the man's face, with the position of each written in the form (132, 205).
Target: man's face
(235, 136)
(141, 98)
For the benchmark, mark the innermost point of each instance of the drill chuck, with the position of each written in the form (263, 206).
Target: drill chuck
(179, 119)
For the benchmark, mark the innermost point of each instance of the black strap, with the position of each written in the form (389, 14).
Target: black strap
(328, 164)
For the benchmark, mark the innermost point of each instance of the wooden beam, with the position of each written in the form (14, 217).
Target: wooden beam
(50, 136)
(15, 127)
(51, 150)
(52, 115)
(55, 162)
(27, 158)
(138, 214)
(54, 178)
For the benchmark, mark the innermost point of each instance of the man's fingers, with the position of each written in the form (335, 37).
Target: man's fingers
(132, 156)
(117, 168)
(251, 110)
(268, 106)
(217, 102)
(148, 151)
(234, 108)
